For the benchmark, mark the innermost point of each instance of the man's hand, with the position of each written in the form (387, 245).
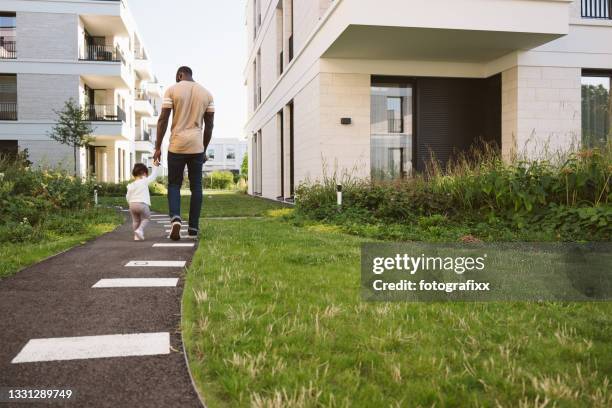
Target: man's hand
(157, 157)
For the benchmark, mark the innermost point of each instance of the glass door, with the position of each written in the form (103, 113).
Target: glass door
(391, 138)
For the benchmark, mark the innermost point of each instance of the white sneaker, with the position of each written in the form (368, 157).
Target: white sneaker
(136, 237)
(139, 234)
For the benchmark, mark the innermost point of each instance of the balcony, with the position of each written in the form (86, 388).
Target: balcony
(444, 30)
(104, 113)
(8, 49)
(600, 9)
(107, 53)
(8, 110)
(144, 143)
(143, 103)
(140, 54)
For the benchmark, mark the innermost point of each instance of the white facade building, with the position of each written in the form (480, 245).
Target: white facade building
(225, 154)
(87, 50)
(373, 88)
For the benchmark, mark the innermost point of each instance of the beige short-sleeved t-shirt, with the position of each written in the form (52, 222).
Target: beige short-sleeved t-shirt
(188, 101)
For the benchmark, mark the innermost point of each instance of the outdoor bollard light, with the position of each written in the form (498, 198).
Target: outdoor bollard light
(339, 195)
(96, 196)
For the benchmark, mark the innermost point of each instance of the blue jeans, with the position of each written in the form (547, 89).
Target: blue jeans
(176, 170)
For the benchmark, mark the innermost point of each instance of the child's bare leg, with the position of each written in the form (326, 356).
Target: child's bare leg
(145, 217)
(135, 213)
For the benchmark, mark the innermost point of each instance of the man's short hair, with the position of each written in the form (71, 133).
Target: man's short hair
(185, 70)
(140, 170)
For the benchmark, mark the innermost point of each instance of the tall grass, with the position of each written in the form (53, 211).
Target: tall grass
(571, 193)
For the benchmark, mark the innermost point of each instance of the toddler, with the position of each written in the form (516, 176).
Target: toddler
(139, 199)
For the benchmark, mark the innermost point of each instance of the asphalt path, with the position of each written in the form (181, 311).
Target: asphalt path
(59, 332)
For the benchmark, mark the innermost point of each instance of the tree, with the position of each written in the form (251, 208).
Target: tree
(244, 168)
(72, 128)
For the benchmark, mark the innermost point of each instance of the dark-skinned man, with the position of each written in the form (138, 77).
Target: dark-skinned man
(193, 114)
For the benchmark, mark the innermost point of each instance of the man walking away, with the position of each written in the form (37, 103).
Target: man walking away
(193, 117)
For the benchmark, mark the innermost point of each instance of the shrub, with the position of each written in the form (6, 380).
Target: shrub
(28, 196)
(571, 198)
(120, 189)
(219, 180)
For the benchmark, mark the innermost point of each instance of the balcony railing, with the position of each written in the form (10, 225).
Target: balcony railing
(104, 113)
(142, 95)
(8, 49)
(140, 54)
(8, 110)
(108, 53)
(597, 9)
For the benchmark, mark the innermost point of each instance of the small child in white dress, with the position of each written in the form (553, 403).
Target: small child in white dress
(139, 198)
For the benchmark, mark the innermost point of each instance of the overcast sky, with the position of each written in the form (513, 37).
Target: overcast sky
(207, 35)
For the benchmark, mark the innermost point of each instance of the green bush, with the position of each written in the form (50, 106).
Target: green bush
(219, 180)
(570, 200)
(120, 189)
(31, 197)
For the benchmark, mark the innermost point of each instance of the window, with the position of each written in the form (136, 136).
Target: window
(257, 163)
(391, 142)
(394, 114)
(230, 153)
(8, 148)
(280, 20)
(211, 154)
(596, 108)
(256, 17)
(290, 38)
(8, 31)
(257, 80)
(8, 97)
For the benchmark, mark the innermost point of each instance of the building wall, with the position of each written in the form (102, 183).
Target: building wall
(51, 36)
(541, 111)
(306, 15)
(271, 158)
(345, 148)
(38, 95)
(307, 134)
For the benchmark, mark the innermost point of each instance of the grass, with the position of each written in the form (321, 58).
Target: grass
(216, 204)
(16, 256)
(273, 318)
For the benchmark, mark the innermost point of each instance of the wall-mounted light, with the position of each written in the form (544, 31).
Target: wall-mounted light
(346, 121)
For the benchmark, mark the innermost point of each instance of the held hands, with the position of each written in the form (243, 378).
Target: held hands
(157, 157)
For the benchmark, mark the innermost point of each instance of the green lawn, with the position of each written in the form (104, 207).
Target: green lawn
(16, 256)
(216, 204)
(273, 317)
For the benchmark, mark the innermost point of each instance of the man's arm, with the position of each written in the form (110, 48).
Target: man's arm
(162, 127)
(209, 124)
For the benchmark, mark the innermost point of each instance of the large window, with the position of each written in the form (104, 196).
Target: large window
(596, 108)
(391, 130)
(8, 29)
(230, 153)
(210, 154)
(8, 97)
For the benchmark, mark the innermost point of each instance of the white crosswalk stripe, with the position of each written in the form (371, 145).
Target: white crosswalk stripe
(136, 283)
(157, 264)
(186, 245)
(89, 347)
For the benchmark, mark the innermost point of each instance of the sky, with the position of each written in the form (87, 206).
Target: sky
(207, 35)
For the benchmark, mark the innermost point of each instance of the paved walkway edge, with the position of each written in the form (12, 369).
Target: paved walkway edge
(193, 383)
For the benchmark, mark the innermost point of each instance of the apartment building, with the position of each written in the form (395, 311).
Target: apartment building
(225, 154)
(86, 50)
(373, 89)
